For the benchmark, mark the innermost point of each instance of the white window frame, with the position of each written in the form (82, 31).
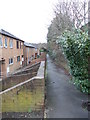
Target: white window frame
(10, 61)
(1, 45)
(11, 43)
(5, 42)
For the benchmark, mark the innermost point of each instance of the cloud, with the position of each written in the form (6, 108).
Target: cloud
(27, 19)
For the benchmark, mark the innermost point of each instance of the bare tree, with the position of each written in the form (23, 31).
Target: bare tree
(68, 14)
(77, 11)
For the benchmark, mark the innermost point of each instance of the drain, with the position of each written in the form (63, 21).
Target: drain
(86, 105)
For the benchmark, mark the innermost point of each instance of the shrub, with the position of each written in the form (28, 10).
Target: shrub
(76, 47)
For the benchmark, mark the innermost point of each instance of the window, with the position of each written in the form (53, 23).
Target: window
(17, 43)
(1, 42)
(20, 45)
(11, 43)
(10, 61)
(18, 58)
(5, 42)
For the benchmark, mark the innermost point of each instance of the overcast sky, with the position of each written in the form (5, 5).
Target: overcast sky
(27, 19)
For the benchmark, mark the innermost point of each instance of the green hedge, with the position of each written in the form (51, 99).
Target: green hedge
(76, 47)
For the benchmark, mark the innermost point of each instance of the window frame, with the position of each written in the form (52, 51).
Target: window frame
(1, 43)
(6, 42)
(11, 43)
(18, 58)
(10, 61)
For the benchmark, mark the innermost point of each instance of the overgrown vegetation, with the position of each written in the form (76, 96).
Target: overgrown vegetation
(65, 32)
(26, 98)
(76, 46)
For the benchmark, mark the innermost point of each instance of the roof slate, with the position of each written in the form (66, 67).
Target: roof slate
(29, 45)
(3, 32)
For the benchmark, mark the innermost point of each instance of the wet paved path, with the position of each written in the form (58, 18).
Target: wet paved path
(63, 99)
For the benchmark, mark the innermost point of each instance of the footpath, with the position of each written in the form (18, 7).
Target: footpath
(63, 100)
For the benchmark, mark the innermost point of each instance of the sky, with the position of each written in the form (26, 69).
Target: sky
(27, 19)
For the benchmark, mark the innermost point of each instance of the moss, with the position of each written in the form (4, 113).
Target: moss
(25, 101)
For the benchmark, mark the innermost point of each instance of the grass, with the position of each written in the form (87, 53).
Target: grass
(25, 101)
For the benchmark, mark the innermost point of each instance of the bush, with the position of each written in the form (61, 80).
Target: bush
(76, 47)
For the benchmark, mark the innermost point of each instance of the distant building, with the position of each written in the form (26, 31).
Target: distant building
(11, 53)
(30, 53)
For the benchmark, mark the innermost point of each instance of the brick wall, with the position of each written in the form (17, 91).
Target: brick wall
(19, 77)
(8, 52)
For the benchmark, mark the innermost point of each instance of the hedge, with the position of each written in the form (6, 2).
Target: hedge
(76, 47)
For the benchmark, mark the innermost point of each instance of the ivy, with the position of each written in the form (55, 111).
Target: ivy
(76, 47)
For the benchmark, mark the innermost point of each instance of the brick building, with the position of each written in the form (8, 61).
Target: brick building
(30, 53)
(11, 53)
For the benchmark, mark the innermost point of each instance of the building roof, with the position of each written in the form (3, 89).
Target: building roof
(3, 32)
(29, 45)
